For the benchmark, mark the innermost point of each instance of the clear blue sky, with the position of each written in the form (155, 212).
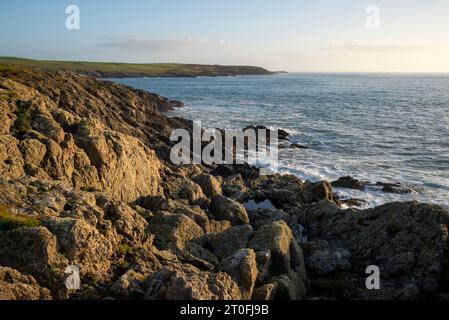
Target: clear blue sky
(294, 35)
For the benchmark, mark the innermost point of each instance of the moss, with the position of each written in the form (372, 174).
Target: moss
(88, 189)
(22, 124)
(8, 221)
(124, 265)
(125, 249)
(11, 95)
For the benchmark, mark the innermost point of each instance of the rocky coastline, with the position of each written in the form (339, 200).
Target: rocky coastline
(85, 180)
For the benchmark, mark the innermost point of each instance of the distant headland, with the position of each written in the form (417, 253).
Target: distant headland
(132, 70)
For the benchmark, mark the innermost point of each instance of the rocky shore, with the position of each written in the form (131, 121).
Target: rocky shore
(85, 180)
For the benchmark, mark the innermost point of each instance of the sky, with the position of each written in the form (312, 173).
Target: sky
(290, 35)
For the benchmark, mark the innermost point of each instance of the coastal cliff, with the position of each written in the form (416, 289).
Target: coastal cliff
(85, 180)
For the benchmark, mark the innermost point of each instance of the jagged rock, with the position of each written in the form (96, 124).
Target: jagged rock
(173, 231)
(193, 212)
(395, 188)
(265, 292)
(348, 182)
(290, 286)
(185, 282)
(263, 259)
(322, 260)
(282, 197)
(126, 221)
(261, 217)
(32, 251)
(126, 167)
(11, 161)
(129, 285)
(33, 151)
(234, 187)
(180, 188)
(245, 170)
(154, 203)
(227, 209)
(15, 286)
(202, 254)
(407, 241)
(215, 227)
(228, 242)
(277, 237)
(315, 192)
(210, 185)
(286, 258)
(83, 246)
(242, 267)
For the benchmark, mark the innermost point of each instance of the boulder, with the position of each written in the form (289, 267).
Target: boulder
(181, 188)
(173, 231)
(83, 246)
(322, 260)
(242, 267)
(32, 251)
(348, 182)
(227, 209)
(234, 188)
(265, 292)
(278, 239)
(315, 192)
(16, 286)
(185, 282)
(407, 241)
(127, 169)
(209, 184)
(228, 242)
(286, 259)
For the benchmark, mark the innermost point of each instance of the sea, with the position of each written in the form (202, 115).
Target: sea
(373, 127)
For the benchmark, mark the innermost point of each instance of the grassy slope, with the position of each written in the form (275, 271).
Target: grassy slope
(107, 69)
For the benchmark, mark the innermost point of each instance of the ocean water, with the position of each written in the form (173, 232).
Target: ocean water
(376, 127)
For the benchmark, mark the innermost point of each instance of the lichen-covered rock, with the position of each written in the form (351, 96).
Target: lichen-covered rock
(186, 282)
(265, 292)
(11, 161)
(193, 212)
(126, 167)
(227, 209)
(242, 267)
(173, 231)
(407, 241)
(210, 185)
(83, 246)
(181, 188)
(32, 251)
(234, 187)
(16, 286)
(229, 241)
(316, 192)
(322, 260)
(287, 259)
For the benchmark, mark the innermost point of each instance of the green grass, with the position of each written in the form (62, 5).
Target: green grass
(22, 124)
(9, 221)
(125, 249)
(111, 69)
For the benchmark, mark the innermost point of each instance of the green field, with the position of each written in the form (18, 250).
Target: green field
(110, 69)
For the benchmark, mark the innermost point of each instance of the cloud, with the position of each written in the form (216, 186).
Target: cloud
(357, 45)
(161, 45)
